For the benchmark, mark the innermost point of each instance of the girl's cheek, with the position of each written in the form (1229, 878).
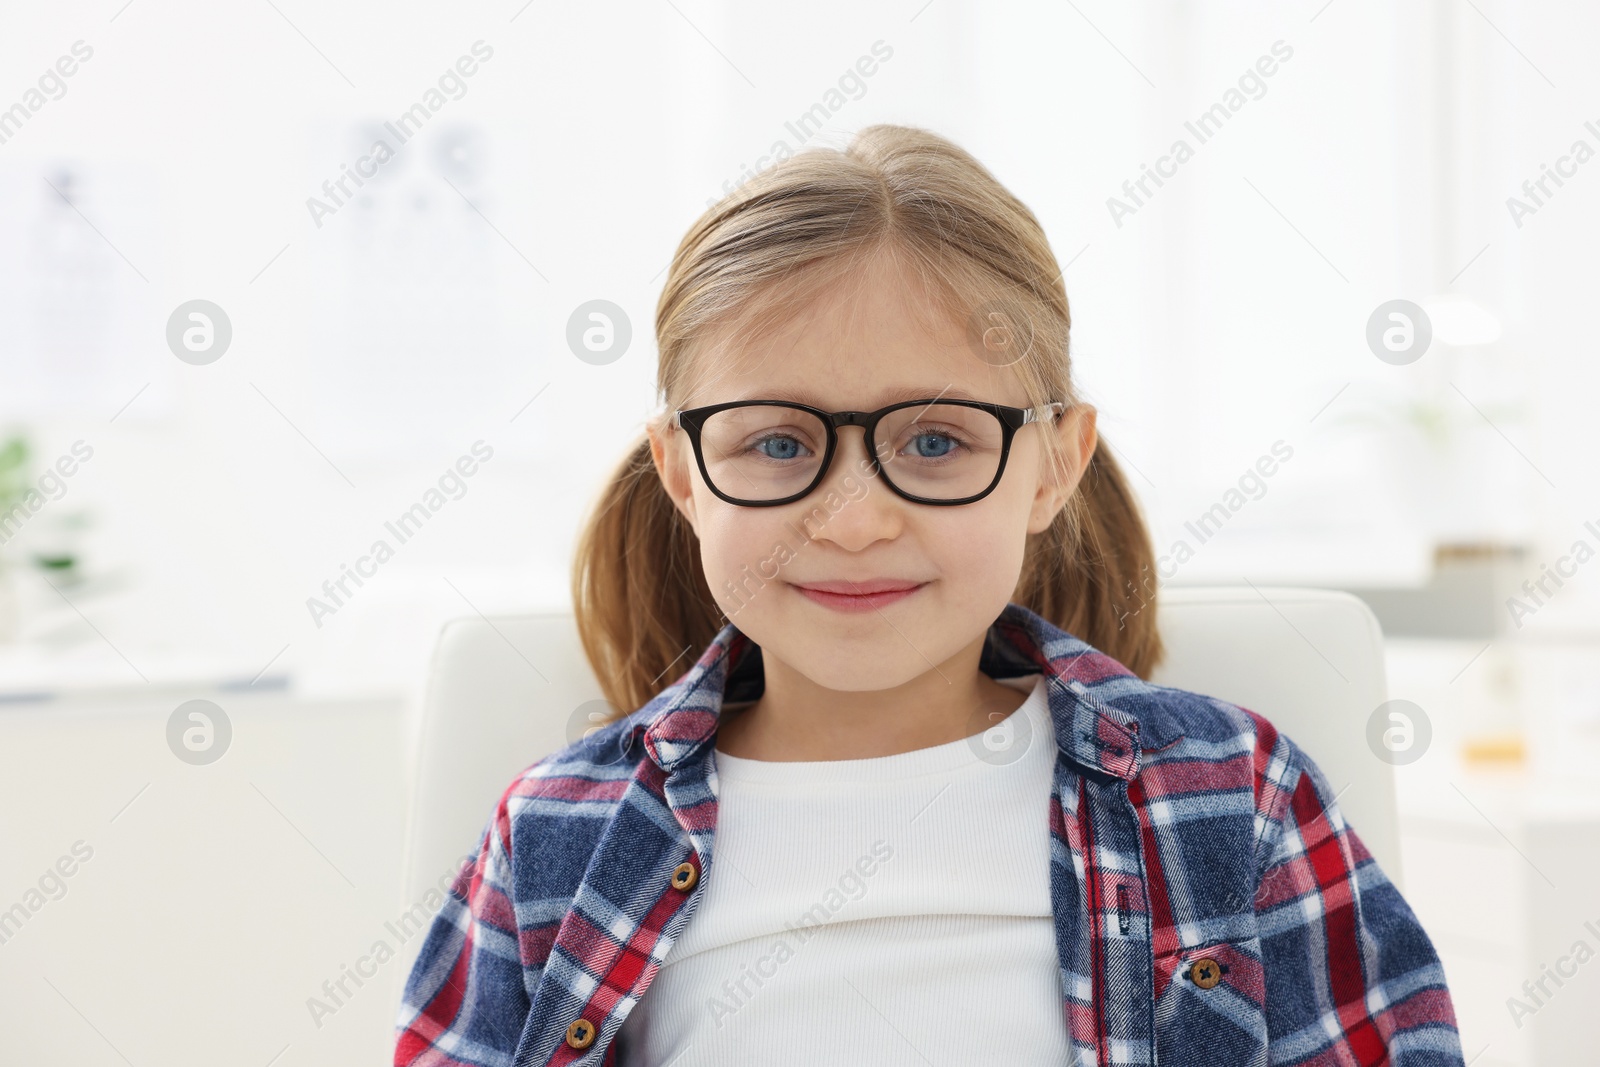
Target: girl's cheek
(733, 545)
(981, 530)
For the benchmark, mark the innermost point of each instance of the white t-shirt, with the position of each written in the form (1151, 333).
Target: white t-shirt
(892, 910)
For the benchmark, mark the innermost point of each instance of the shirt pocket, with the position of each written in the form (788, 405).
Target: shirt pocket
(1210, 1004)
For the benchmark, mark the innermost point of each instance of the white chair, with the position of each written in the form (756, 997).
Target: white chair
(503, 691)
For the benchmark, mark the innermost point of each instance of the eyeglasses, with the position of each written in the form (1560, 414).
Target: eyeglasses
(761, 453)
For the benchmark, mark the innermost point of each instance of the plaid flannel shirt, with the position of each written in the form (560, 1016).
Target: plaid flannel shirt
(1211, 904)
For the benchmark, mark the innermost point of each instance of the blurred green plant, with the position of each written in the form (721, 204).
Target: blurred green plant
(13, 465)
(15, 485)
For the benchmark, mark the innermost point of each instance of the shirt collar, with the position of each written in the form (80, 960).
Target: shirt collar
(1103, 713)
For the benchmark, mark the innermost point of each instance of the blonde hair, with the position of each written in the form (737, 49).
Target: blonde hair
(641, 598)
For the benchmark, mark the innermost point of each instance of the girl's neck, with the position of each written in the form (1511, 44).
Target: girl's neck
(797, 720)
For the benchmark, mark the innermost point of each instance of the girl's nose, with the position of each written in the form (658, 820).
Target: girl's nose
(852, 507)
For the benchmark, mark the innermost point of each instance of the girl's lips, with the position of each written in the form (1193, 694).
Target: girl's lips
(852, 602)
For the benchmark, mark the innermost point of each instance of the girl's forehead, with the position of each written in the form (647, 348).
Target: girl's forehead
(824, 397)
(859, 380)
(872, 337)
(834, 302)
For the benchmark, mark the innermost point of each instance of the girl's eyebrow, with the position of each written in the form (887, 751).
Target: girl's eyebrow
(948, 391)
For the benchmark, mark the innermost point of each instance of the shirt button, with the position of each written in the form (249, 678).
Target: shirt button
(685, 876)
(1205, 972)
(581, 1034)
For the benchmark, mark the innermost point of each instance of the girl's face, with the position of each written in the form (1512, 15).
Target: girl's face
(860, 347)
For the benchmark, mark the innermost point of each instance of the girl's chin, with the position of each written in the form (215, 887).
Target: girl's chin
(852, 664)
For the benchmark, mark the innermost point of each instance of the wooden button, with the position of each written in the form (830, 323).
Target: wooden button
(685, 876)
(1205, 972)
(581, 1034)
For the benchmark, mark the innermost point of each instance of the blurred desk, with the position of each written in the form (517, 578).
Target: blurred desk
(1501, 860)
(217, 899)
(36, 673)
(1504, 883)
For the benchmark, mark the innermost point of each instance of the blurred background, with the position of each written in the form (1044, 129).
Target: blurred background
(242, 341)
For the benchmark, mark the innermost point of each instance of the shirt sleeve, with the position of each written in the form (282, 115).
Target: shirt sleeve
(465, 1000)
(1351, 977)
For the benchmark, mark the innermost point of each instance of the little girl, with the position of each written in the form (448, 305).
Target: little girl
(913, 802)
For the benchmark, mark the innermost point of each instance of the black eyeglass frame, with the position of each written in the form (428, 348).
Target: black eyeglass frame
(1012, 419)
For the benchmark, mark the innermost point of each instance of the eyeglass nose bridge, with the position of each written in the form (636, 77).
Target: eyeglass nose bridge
(863, 419)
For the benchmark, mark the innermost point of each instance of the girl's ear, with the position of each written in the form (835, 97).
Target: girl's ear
(1076, 440)
(669, 451)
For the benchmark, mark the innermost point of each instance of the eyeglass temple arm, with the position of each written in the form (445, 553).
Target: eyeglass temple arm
(1039, 414)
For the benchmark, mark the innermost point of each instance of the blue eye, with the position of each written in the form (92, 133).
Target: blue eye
(941, 445)
(785, 447)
